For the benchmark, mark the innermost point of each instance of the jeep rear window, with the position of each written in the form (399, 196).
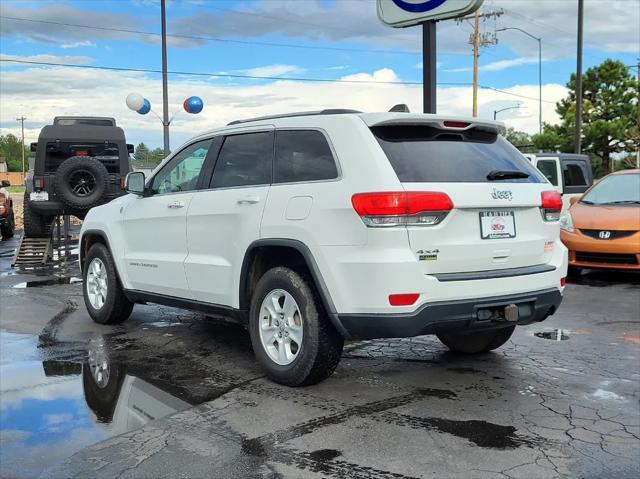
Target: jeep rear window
(425, 154)
(57, 152)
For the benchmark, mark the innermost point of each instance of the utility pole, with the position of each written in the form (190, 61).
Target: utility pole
(21, 120)
(578, 132)
(476, 54)
(479, 40)
(165, 94)
(429, 66)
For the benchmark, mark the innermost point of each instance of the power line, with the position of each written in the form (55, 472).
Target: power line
(260, 77)
(213, 39)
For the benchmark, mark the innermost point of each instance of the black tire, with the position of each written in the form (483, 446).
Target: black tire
(35, 225)
(476, 342)
(7, 229)
(81, 182)
(321, 347)
(116, 308)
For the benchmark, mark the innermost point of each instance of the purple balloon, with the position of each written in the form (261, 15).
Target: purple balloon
(193, 105)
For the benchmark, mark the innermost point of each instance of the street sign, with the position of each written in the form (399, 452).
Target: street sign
(405, 13)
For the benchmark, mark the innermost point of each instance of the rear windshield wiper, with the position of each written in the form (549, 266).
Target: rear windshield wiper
(506, 174)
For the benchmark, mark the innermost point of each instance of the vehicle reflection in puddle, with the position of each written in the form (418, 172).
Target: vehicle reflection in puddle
(51, 409)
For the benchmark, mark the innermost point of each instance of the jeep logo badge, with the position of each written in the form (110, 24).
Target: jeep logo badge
(502, 195)
(604, 234)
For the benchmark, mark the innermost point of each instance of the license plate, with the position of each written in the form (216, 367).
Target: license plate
(497, 224)
(39, 196)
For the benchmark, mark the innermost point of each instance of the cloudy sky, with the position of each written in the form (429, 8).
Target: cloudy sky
(216, 46)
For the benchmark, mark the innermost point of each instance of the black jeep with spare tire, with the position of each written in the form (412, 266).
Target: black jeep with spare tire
(80, 162)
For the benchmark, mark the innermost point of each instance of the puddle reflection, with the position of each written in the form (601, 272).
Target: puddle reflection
(51, 409)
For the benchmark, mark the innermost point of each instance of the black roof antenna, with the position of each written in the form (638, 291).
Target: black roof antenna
(400, 108)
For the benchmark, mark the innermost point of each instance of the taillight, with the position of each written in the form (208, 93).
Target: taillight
(551, 205)
(402, 208)
(563, 281)
(38, 183)
(122, 183)
(456, 124)
(406, 299)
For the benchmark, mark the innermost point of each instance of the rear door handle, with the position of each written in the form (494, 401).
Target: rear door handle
(176, 205)
(249, 200)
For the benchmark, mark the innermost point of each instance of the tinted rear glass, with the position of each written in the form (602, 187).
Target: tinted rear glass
(58, 151)
(549, 169)
(424, 154)
(244, 160)
(303, 155)
(574, 174)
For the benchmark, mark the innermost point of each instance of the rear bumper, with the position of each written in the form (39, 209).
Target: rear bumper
(435, 317)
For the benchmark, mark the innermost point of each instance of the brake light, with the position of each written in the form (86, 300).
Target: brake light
(82, 152)
(122, 183)
(406, 299)
(38, 183)
(402, 208)
(456, 124)
(551, 205)
(563, 281)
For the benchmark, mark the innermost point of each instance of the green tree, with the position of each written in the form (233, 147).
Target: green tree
(156, 155)
(11, 149)
(611, 116)
(521, 140)
(141, 153)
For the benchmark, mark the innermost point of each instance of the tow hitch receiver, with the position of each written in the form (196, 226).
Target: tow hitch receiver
(508, 313)
(511, 313)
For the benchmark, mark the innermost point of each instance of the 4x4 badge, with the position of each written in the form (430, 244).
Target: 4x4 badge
(502, 194)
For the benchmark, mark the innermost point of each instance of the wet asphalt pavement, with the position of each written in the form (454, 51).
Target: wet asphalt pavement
(172, 394)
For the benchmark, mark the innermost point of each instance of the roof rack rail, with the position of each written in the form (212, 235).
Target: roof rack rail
(328, 111)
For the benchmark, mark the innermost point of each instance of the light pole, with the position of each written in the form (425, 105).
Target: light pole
(495, 112)
(165, 94)
(21, 120)
(539, 40)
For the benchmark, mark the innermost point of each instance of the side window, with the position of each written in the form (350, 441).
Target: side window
(549, 169)
(303, 155)
(574, 175)
(182, 172)
(244, 160)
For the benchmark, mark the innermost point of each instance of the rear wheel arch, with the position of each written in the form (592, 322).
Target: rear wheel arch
(88, 239)
(264, 254)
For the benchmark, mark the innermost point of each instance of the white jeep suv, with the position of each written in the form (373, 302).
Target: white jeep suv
(313, 228)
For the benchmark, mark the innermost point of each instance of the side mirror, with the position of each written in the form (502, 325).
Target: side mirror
(574, 199)
(6, 183)
(134, 183)
(130, 148)
(34, 146)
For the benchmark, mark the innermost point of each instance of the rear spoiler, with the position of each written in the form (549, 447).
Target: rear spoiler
(437, 121)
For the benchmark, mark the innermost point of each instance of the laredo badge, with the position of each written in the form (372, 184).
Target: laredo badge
(427, 255)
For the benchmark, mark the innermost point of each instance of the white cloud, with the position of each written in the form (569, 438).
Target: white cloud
(76, 60)
(84, 43)
(498, 65)
(273, 70)
(41, 93)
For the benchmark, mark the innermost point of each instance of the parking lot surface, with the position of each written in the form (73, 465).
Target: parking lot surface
(181, 395)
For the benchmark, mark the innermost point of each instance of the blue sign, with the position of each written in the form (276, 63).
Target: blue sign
(421, 7)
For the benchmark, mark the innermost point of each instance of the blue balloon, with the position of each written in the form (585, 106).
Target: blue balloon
(193, 104)
(146, 107)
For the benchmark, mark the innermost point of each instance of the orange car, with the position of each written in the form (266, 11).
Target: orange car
(602, 228)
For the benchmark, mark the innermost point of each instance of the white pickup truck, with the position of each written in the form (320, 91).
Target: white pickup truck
(570, 174)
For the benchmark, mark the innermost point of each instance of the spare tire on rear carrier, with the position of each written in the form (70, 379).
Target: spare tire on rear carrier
(81, 182)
